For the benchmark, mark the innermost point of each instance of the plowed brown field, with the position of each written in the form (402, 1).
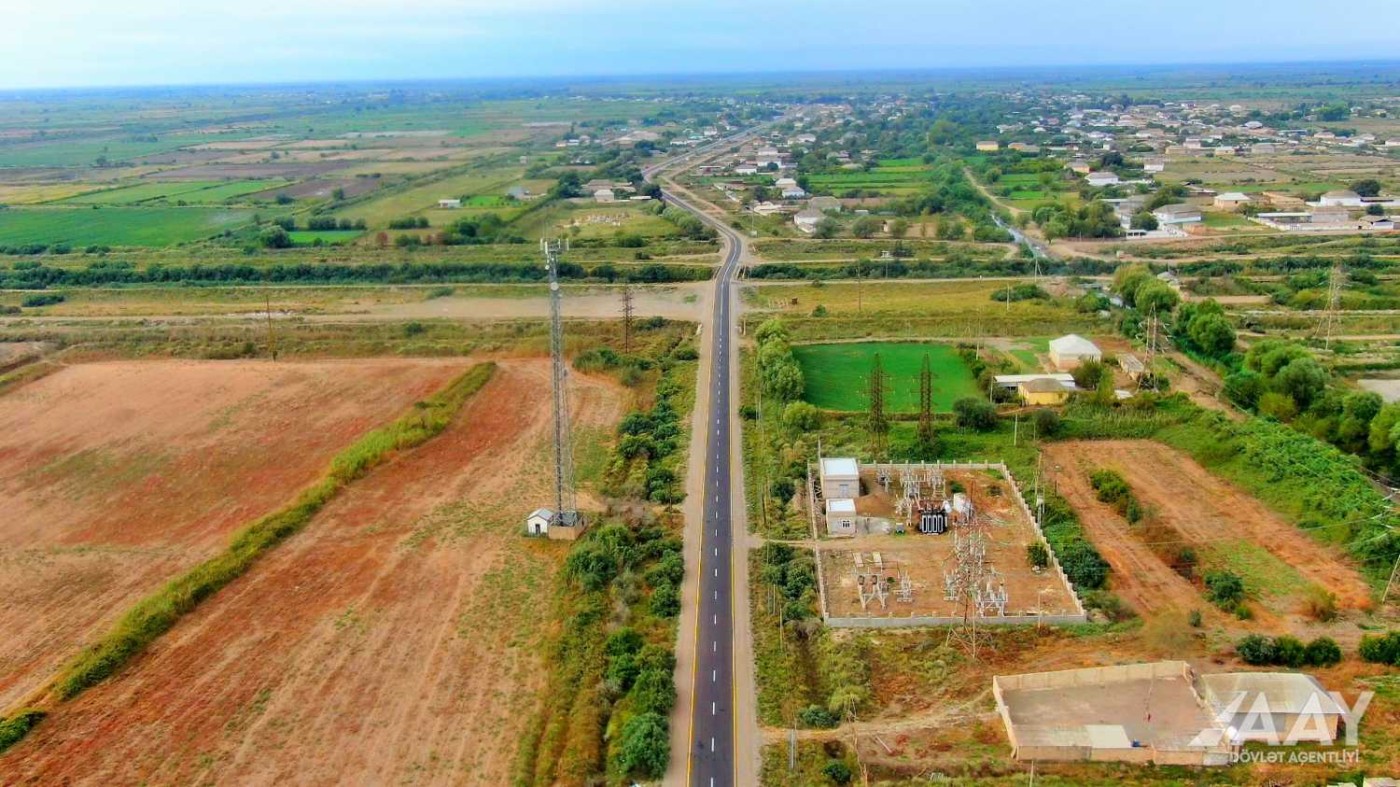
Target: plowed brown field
(1207, 514)
(116, 476)
(397, 639)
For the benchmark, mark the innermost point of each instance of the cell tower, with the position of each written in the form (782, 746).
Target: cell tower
(565, 504)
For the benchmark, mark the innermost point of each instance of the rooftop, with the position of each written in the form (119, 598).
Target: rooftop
(840, 466)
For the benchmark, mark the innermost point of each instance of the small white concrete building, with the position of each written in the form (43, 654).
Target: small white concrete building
(1178, 213)
(840, 478)
(1231, 200)
(840, 516)
(1340, 198)
(452, 204)
(806, 220)
(1273, 707)
(1069, 352)
(605, 195)
(1100, 179)
(538, 522)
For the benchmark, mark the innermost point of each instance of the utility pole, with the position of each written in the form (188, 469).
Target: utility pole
(1394, 577)
(271, 335)
(627, 318)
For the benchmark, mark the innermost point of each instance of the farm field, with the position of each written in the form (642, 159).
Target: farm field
(416, 199)
(1226, 527)
(838, 374)
(406, 647)
(119, 475)
(127, 226)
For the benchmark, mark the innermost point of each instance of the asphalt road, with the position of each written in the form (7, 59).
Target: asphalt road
(711, 758)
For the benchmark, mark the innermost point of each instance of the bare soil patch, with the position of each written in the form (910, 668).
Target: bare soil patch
(1225, 525)
(116, 476)
(397, 639)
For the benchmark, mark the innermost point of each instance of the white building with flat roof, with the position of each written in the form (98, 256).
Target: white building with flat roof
(840, 478)
(840, 516)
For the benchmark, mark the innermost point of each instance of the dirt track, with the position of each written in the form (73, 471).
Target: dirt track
(1208, 514)
(116, 476)
(395, 640)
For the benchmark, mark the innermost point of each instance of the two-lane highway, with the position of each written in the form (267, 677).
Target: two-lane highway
(711, 760)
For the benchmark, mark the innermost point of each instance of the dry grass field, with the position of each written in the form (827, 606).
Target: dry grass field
(117, 476)
(396, 640)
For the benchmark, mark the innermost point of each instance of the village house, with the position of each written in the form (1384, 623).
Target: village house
(1177, 213)
(1101, 179)
(806, 220)
(1043, 392)
(1231, 200)
(988, 146)
(1069, 352)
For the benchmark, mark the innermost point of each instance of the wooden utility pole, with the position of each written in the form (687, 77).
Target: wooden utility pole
(271, 335)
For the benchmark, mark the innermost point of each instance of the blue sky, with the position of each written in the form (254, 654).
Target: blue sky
(55, 43)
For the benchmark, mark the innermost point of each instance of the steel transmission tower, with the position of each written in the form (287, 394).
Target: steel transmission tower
(565, 504)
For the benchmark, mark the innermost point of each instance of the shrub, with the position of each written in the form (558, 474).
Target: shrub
(1084, 566)
(654, 692)
(1289, 651)
(1047, 422)
(816, 716)
(1110, 605)
(1321, 604)
(1256, 650)
(665, 600)
(975, 413)
(1194, 618)
(646, 746)
(1381, 648)
(1224, 589)
(1322, 652)
(1037, 555)
(14, 728)
(838, 772)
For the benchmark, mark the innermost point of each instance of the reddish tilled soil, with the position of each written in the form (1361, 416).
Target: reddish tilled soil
(397, 639)
(116, 476)
(1201, 508)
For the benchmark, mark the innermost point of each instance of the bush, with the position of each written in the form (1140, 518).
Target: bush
(43, 299)
(646, 746)
(975, 413)
(1110, 605)
(1037, 555)
(1084, 566)
(1047, 422)
(14, 728)
(817, 717)
(1381, 648)
(1322, 652)
(838, 772)
(1194, 618)
(1321, 604)
(1256, 650)
(1224, 589)
(1289, 651)
(665, 600)
(654, 692)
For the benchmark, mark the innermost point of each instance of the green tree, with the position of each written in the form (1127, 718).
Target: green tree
(1155, 297)
(1367, 187)
(827, 228)
(865, 227)
(646, 746)
(275, 238)
(976, 413)
(1126, 282)
(800, 417)
(1212, 334)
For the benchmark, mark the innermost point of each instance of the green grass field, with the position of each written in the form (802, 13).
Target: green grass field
(116, 226)
(327, 237)
(194, 192)
(838, 375)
